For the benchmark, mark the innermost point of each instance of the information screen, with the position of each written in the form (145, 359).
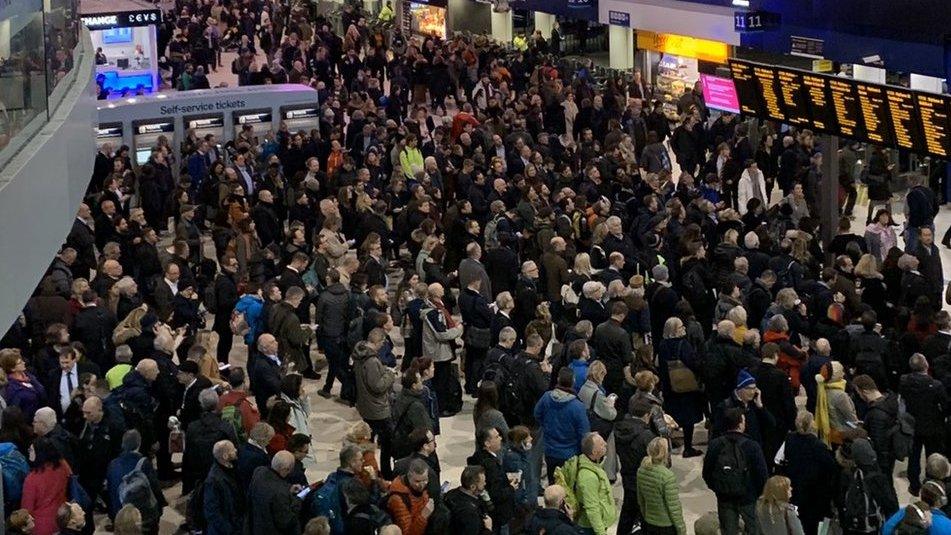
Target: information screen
(885, 115)
(935, 113)
(769, 92)
(746, 89)
(794, 97)
(874, 113)
(845, 106)
(904, 115)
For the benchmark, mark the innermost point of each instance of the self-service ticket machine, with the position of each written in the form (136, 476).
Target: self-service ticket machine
(301, 117)
(109, 133)
(145, 134)
(210, 123)
(261, 121)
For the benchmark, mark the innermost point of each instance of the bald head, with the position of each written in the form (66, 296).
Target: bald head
(554, 496)
(267, 344)
(283, 463)
(224, 452)
(92, 409)
(148, 368)
(112, 268)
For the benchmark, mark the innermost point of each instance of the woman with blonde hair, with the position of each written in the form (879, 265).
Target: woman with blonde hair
(645, 381)
(582, 272)
(77, 290)
(870, 279)
(677, 362)
(658, 496)
(361, 436)
(774, 513)
(128, 521)
(208, 364)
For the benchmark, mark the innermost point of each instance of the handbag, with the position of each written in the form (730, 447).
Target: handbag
(598, 424)
(947, 294)
(78, 494)
(478, 337)
(682, 378)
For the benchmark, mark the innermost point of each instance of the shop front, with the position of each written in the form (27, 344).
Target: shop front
(425, 17)
(673, 64)
(126, 44)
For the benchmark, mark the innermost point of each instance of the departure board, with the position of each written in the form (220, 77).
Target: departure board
(884, 115)
(746, 89)
(820, 109)
(874, 113)
(769, 92)
(904, 118)
(794, 97)
(845, 105)
(935, 113)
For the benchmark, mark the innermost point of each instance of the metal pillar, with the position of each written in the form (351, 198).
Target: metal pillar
(829, 198)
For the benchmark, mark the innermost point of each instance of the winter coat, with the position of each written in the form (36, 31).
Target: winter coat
(551, 522)
(374, 383)
(406, 508)
(332, 311)
(437, 337)
(565, 422)
(466, 512)
(200, 438)
(596, 509)
(658, 497)
(223, 502)
(810, 466)
(755, 465)
(926, 399)
(409, 413)
(602, 407)
(685, 408)
(292, 337)
(273, 508)
(631, 437)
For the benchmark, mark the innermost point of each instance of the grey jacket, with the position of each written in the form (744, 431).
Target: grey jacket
(332, 311)
(785, 522)
(602, 407)
(436, 335)
(374, 383)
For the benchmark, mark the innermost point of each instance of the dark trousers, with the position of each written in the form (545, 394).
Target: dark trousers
(630, 511)
(850, 195)
(931, 445)
(551, 463)
(381, 431)
(225, 341)
(729, 514)
(337, 362)
(474, 361)
(442, 378)
(648, 529)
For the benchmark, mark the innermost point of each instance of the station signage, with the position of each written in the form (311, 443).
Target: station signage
(122, 19)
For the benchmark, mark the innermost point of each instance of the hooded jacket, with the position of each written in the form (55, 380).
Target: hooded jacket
(331, 311)
(565, 422)
(374, 383)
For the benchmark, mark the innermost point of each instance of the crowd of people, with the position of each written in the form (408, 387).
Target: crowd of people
(487, 226)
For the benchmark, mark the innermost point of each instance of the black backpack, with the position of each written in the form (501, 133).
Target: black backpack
(732, 471)
(504, 370)
(860, 513)
(902, 432)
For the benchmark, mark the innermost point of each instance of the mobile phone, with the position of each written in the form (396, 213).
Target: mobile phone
(445, 487)
(304, 492)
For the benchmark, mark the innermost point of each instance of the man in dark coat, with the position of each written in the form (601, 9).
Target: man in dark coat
(223, 497)
(267, 370)
(226, 297)
(292, 276)
(929, 265)
(757, 421)
(93, 327)
(810, 465)
(879, 420)
(527, 296)
(613, 345)
(252, 453)
(553, 519)
(477, 318)
(501, 263)
(82, 238)
(193, 384)
(663, 300)
(187, 231)
(466, 505)
(632, 435)
(58, 391)
(496, 480)
(778, 399)
(273, 505)
(723, 361)
(200, 439)
(926, 400)
(99, 443)
(266, 222)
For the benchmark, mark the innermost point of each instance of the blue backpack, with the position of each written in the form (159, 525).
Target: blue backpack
(327, 502)
(15, 470)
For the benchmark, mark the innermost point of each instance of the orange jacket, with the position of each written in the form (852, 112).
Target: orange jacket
(791, 358)
(410, 519)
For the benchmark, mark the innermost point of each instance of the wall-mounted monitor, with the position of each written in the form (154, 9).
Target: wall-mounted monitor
(116, 36)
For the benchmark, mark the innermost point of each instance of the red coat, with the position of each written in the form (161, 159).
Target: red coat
(43, 492)
(791, 358)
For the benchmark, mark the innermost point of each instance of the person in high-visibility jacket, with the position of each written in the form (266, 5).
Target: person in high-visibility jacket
(386, 14)
(520, 43)
(411, 159)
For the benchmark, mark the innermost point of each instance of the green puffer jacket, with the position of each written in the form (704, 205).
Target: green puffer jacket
(658, 497)
(593, 491)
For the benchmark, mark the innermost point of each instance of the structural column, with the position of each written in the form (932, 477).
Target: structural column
(621, 47)
(502, 26)
(829, 196)
(544, 22)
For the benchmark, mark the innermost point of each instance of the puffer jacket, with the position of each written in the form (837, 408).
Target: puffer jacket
(436, 335)
(596, 509)
(565, 421)
(332, 311)
(658, 497)
(251, 306)
(631, 437)
(374, 383)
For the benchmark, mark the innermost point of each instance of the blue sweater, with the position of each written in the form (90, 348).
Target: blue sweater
(564, 420)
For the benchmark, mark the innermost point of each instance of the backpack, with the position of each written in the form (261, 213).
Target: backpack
(732, 471)
(784, 277)
(15, 469)
(902, 433)
(695, 290)
(327, 502)
(376, 516)
(239, 323)
(135, 488)
(859, 511)
(505, 372)
(211, 299)
(354, 324)
(231, 414)
(492, 233)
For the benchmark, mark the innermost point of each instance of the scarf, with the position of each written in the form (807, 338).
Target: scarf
(823, 424)
(445, 313)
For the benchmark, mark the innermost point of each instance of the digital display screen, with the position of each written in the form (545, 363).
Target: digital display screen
(746, 89)
(794, 97)
(820, 108)
(845, 106)
(904, 118)
(874, 113)
(720, 93)
(935, 113)
(116, 36)
(769, 91)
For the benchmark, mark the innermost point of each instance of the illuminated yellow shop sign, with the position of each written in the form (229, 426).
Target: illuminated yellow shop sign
(684, 46)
